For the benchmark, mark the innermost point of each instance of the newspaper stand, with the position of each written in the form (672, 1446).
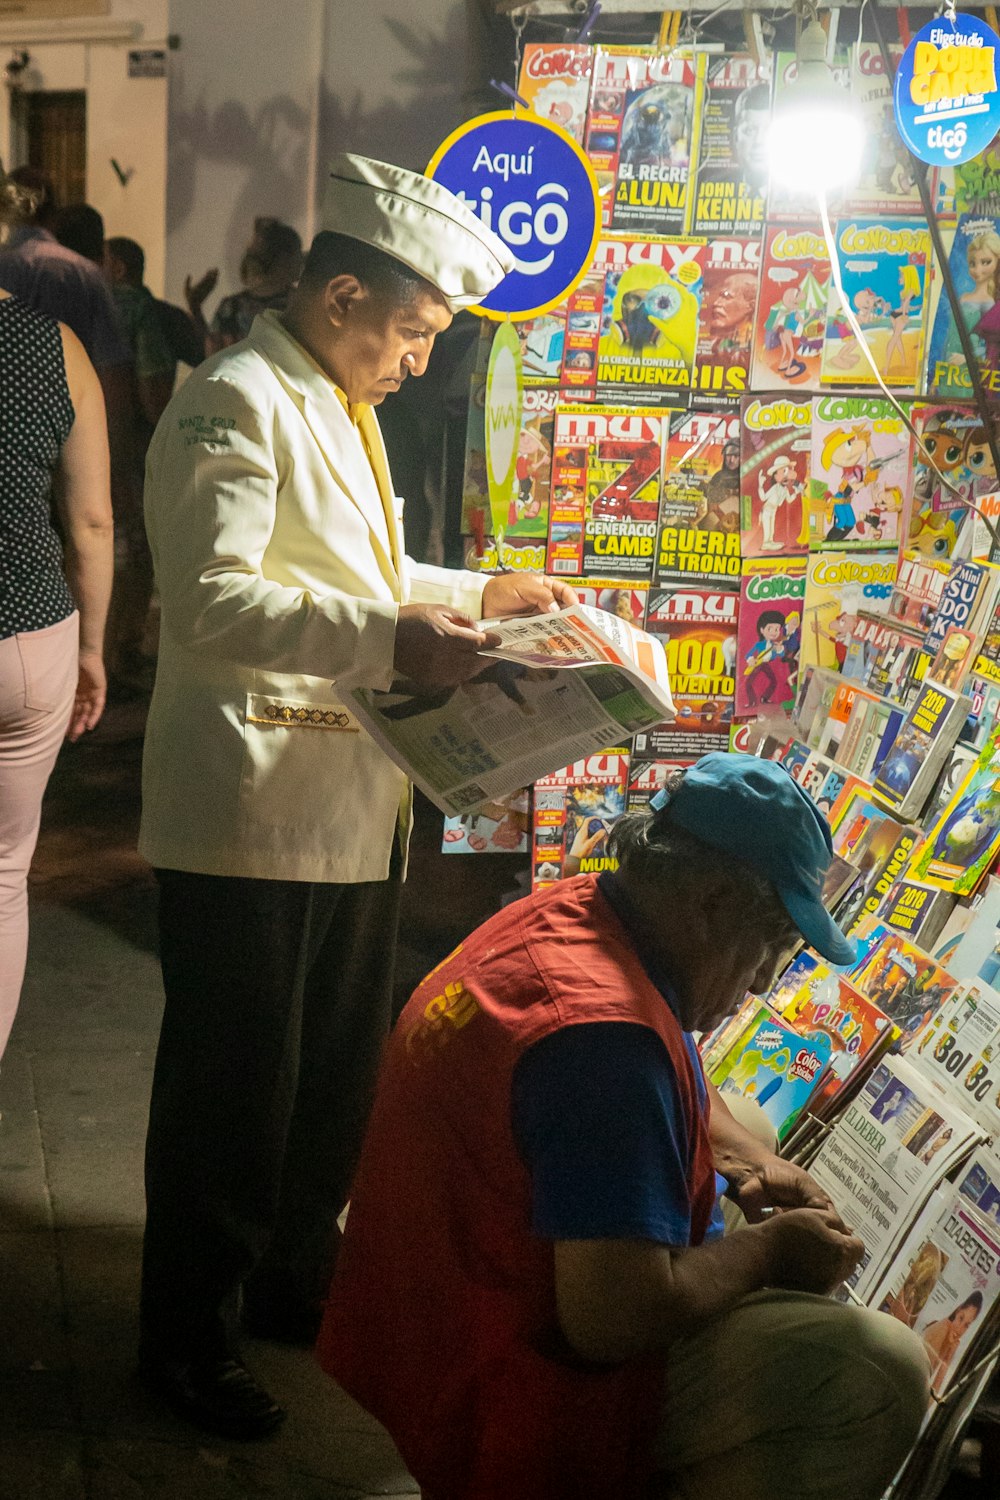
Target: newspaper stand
(898, 685)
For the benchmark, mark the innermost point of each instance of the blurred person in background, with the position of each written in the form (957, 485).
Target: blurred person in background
(53, 594)
(80, 227)
(154, 368)
(271, 265)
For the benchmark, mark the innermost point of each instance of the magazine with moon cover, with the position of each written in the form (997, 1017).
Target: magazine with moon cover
(698, 540)
(605, 491)
(642, 135)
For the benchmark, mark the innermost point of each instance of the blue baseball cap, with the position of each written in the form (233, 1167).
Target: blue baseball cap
(754, 810)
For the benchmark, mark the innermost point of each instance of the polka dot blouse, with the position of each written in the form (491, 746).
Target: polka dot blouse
(36, 414)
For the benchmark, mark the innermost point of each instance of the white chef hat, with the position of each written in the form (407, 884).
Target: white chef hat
(418, 222)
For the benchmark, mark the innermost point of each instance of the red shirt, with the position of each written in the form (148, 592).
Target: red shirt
(441, 1319)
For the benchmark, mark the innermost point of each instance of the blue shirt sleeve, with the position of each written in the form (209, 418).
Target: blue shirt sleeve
(598, 1121)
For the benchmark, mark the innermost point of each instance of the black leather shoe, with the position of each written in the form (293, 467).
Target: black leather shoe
(217, 1393)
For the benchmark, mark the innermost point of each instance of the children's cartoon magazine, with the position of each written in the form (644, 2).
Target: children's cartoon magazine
(698, 540)
(860, 474)
(775, 1067)
(963, 843)
(725, 324)
(528, 512)
(974, 261)
(605, 492)
(791, 309)
(833, 1008)
(642, 135)
(574, 811)
(956, 441)
(839, 585)
(884, 265)
(769, 633)
(905, 983)
(632, 323)
(698, 630)
(730, 193)
(774, 475)
(887, 182)
(973, 187)
(555, 83)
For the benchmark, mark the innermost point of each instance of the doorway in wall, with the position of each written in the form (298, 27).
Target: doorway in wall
(50, 133)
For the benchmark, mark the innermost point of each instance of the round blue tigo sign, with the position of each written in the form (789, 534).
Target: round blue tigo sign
(532, 185)
(945, 96)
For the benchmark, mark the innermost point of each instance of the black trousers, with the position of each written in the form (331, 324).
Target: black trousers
(278, 1001)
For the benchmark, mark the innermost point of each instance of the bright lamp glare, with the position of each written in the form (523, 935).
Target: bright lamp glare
(815, 145)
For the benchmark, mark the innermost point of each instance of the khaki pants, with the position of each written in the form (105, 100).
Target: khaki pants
(789, 1395)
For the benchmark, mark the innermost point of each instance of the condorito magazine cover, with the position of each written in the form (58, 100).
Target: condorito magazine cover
(642, 135)
(774, 475)
(605, 492)
(791, 309)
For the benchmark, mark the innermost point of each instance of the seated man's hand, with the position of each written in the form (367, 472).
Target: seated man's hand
(437, 646)
(776, 1184)
(813, 1250)
(525, 594)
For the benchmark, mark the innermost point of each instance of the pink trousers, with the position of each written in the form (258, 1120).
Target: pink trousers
(38, 675)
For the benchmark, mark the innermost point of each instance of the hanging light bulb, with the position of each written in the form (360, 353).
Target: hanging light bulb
(816, 136)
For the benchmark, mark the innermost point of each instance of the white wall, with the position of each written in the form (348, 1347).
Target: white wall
(126, 119)
(393, 74)
(242, 128)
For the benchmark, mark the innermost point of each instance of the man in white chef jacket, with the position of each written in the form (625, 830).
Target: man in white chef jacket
(276, 827)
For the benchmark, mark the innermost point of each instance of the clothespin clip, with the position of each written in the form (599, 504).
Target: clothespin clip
(991, 16)
(509, 93)
(753, 33)
(903, 22)
(589, 21)
(670, 26)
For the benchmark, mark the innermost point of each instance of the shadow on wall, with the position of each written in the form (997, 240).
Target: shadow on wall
(426, 103)
(270, 151)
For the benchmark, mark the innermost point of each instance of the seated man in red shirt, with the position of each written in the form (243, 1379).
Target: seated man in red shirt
(534, 1294)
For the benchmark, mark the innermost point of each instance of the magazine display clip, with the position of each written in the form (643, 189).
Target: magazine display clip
(589, 21)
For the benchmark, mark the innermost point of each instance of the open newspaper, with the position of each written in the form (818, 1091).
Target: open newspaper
(562, 686)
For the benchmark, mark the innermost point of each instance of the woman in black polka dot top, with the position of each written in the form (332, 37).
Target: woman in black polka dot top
(53, 594)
